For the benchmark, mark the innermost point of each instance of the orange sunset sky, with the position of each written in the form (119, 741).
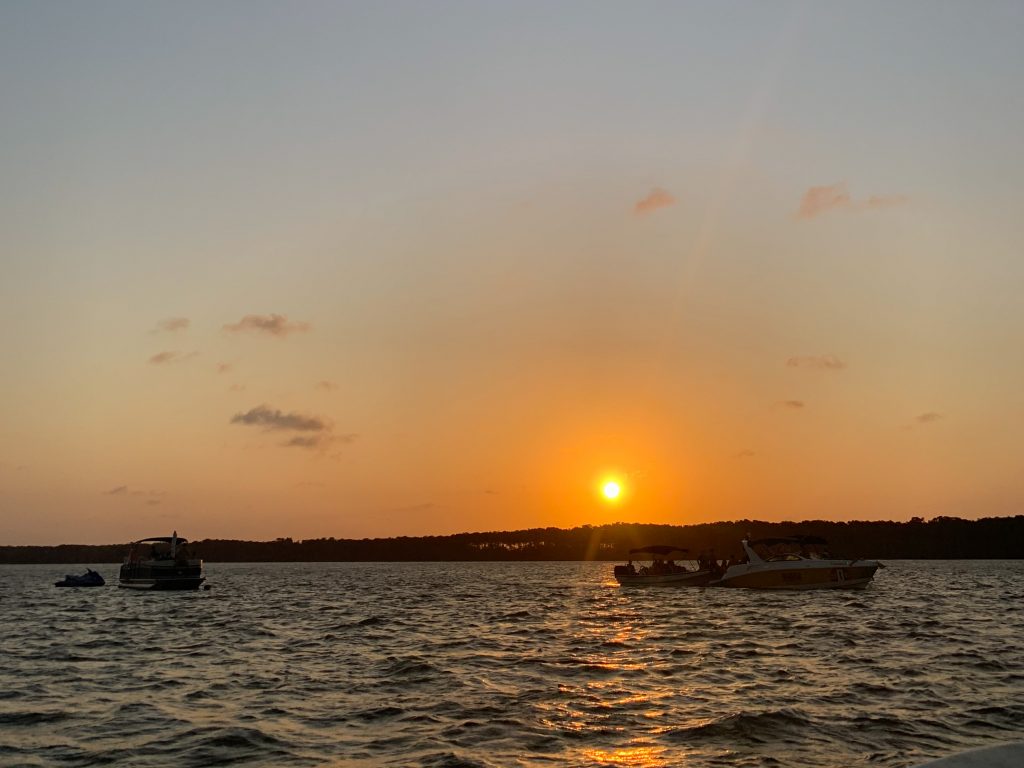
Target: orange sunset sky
(380, 269)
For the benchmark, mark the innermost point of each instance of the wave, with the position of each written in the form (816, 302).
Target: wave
(750, 726)
(31, 718)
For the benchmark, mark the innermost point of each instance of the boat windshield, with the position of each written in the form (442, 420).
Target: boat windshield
(788, 549)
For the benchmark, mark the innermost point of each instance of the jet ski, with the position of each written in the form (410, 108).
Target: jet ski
(88, 579)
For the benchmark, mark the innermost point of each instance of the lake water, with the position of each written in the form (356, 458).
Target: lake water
(500, 664)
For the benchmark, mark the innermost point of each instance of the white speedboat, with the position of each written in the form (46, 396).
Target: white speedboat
(798, 562)
(161, 562)
(662, 569)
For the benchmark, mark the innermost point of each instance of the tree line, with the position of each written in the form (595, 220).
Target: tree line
(938, 538)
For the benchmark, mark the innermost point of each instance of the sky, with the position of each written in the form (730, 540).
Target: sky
(374, 269)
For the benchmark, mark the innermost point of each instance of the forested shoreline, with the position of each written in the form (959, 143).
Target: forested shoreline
(939, 538)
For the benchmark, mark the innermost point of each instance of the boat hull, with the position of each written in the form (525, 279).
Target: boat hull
(161, 584)
(832, 575)
(157, 576)
(73, 584)
(685, 579)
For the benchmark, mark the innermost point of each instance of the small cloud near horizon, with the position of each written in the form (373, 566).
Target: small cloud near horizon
(225, 367)
(744, 454)
(118, 491)
(327, 386)
(272, 324)
(793, 403)
(816, 362)
(819, 200)
(171, 324)
(656, 199)
(928, 418)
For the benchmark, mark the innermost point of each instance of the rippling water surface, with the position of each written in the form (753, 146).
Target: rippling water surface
(480, 664)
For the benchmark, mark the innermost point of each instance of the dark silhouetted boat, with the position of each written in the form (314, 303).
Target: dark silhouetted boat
(88, 579)
(161, 562)
(662, 570)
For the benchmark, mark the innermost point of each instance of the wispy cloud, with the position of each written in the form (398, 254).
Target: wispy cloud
(816, 362)
(876, 202)
(272, 419)
(923, 420)
(224, 367)
(656, 199)
(153, 497)
(171, 324)
(744, 454)
(315, 432)
(162, 358)
(327, 386)
(306, 441)
(793, 403)
(236, 388)
(819, 200)
(319, 440)
(272, 325)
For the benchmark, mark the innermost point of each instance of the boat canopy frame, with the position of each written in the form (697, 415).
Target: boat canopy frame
(657, 551)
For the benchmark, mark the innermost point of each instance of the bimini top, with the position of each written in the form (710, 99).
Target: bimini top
(788, 540)
(165, 539)
(657, 549)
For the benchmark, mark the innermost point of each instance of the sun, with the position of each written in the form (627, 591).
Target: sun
(611, 490)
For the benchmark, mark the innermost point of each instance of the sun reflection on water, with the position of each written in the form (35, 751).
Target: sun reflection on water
(645, 756)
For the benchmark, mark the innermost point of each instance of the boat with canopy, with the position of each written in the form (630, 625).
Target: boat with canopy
(161, 562)
(661, 568)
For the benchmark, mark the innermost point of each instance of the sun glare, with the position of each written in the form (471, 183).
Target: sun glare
(611, 490)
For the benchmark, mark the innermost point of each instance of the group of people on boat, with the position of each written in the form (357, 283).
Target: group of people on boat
(656, 568)
(707, 560)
